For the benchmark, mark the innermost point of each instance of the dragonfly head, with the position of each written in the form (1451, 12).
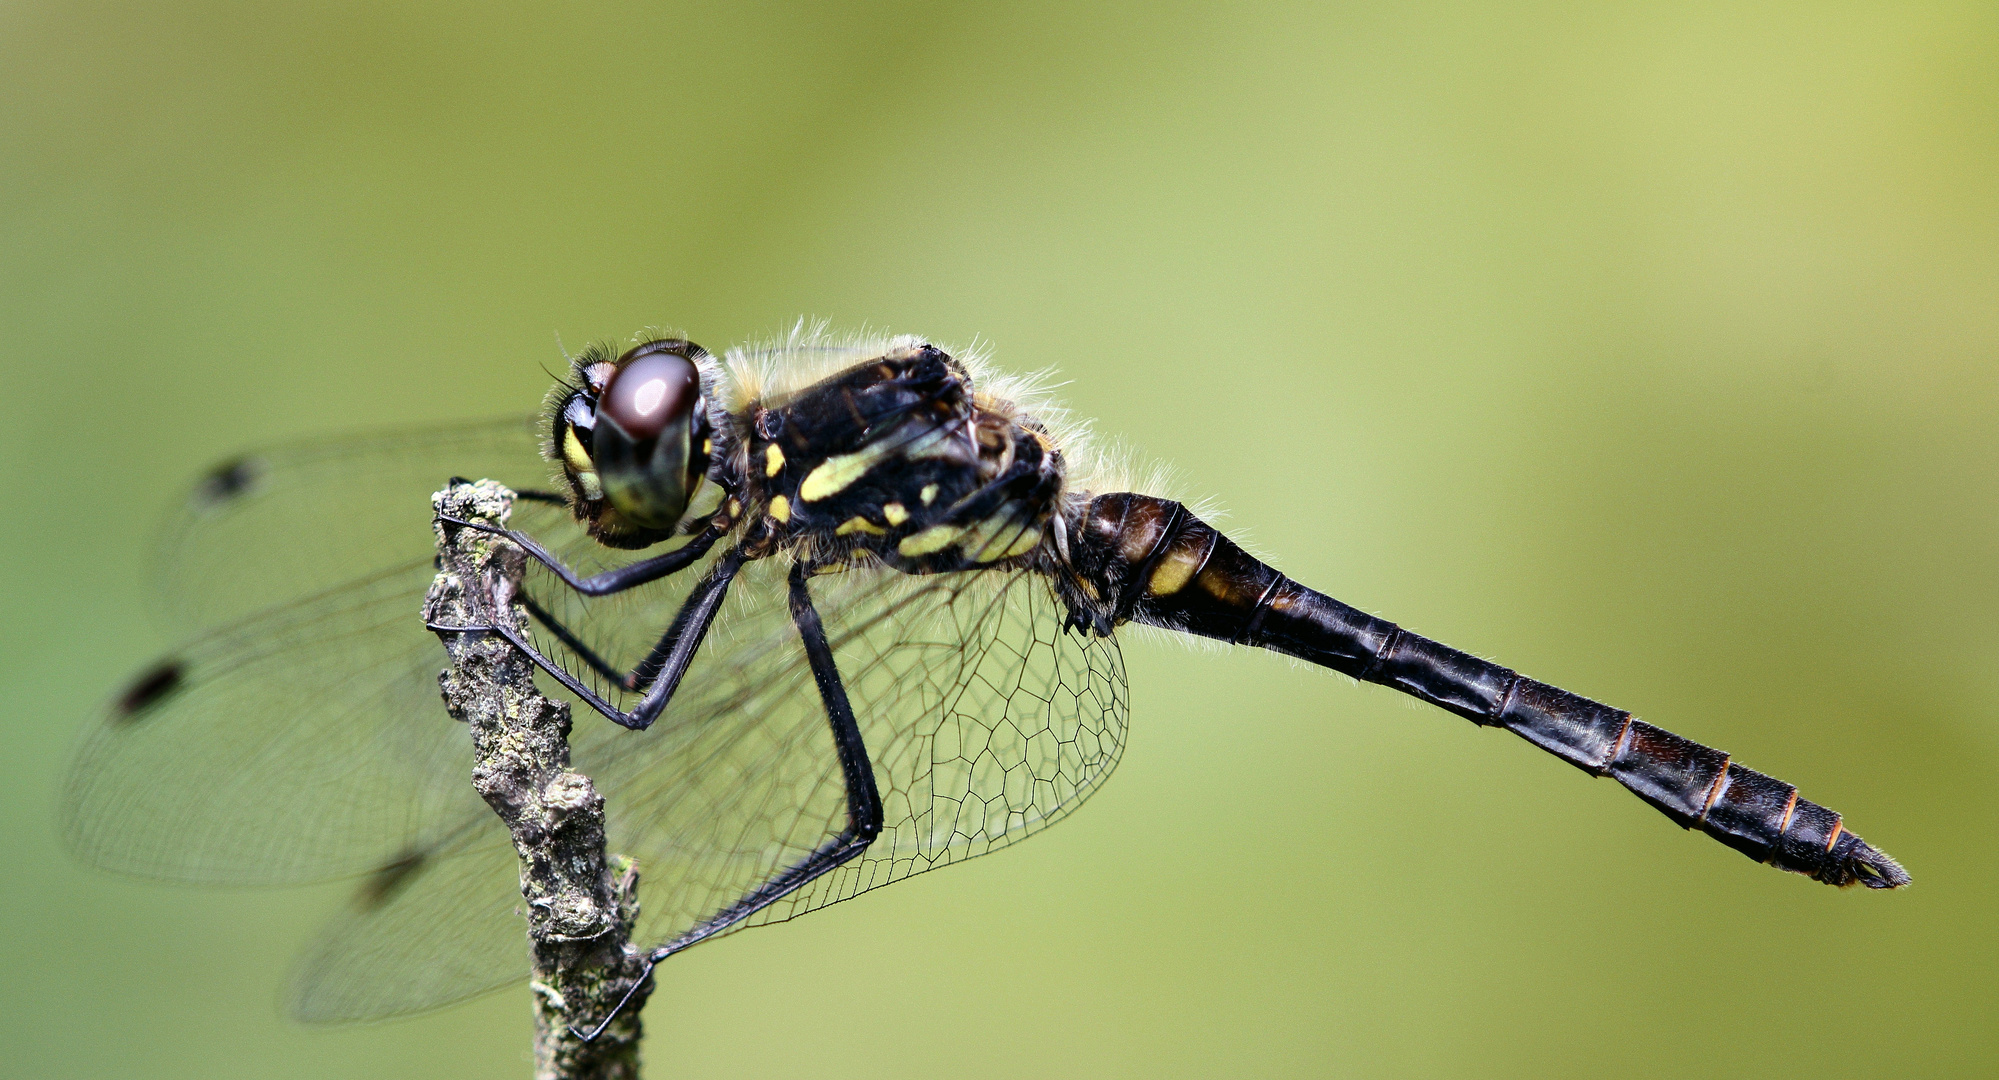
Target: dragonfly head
(632, 437)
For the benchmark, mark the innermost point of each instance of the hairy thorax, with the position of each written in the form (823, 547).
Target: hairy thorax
(898, 460)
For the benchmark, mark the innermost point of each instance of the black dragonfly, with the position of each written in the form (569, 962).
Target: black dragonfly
(878, 637)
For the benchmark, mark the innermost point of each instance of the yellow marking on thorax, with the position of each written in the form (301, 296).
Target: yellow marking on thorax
(834, 474)
(933, 539)
(1028, 538)
(978, 533)
(857, 523)
(780, 508)
(1012, 539)
(1008, 542)
(773, 460)
(929, 494)
(931, 444)
(1000, 536)
(894, 513)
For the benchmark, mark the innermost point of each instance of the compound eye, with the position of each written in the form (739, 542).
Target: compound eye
(649, 392)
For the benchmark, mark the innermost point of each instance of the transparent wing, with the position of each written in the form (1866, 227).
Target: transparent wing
(304, 741)
(984, 719)
(274, 526)
(985, 722)
(429, 930)
(296, 746)
(301, 737)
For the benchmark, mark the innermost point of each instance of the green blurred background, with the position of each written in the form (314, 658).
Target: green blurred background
(1648, 348)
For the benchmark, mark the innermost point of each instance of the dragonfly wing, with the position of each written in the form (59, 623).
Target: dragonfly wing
(300, 737)
(434, 928)
(304, 744)
(305, 741)
(985, 721)
(238, 543)
(436, 918)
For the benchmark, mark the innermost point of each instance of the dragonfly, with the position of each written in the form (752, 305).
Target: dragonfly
(849, 609)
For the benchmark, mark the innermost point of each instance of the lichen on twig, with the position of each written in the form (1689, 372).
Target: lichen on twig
(580, 904)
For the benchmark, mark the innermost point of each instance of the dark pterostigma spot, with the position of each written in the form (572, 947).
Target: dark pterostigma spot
(227, 482)
(383, 885)
(152, 686)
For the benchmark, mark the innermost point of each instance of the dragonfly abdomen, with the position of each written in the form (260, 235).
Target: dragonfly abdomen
(1153, 561)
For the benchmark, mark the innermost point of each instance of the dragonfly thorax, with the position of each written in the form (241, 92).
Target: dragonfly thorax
(900, 458)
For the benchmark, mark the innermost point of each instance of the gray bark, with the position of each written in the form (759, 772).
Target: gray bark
(580, 905)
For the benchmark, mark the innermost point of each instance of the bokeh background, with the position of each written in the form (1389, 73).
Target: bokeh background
(1652, 349)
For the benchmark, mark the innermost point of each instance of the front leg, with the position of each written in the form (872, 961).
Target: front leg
(618, 578)
(660, 672)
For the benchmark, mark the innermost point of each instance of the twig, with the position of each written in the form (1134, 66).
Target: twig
(579, 908)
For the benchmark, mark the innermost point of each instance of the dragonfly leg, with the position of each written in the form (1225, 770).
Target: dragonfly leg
(864, 806)
(660, 672)
(633, 681)
(576, 644)
(618, 578)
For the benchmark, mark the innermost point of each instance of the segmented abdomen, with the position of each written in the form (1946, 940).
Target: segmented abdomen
(1154, 562)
